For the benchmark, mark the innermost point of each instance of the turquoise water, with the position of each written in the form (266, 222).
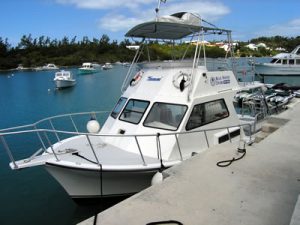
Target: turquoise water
(32, 196)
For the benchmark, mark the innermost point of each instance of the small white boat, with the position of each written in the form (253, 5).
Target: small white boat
(88, 68)
(49, 66)
(282, 64)
(126, 64)
(107, 66)
(21, 67)
(64, 79)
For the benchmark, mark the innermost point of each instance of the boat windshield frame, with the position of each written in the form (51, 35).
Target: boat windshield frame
(164, 117)
(132, 114)
(118, 107)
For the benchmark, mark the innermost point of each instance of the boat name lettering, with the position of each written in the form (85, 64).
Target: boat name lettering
(150, 78)
(219, 80)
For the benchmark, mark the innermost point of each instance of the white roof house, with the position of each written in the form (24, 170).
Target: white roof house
(252, 46)
(261, 45)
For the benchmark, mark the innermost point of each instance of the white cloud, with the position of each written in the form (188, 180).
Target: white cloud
(290, 28)
(142, 10)
(208, 10)
(118, 22)
(104, 4)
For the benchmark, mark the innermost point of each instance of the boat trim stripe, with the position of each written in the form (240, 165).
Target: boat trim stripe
(104, 170)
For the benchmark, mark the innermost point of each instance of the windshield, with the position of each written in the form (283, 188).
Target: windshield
(165, 116)
(134, 111)
(118, 107)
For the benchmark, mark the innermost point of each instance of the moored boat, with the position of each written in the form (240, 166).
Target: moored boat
(168, 112)
(49, 66)
(64, 79)
(282, 64)
(88, 68)
(107, 66)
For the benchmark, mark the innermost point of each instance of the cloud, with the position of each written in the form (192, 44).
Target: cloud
(291, 28)
(118, 22)
(120, 18)
(104, 4)
(208, 10)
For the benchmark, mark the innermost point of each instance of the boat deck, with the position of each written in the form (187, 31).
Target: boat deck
(68, 154)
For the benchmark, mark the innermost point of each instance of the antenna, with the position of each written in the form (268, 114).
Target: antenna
(158, 6)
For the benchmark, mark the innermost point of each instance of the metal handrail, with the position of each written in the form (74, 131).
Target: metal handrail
(135, 136)
(51, 118)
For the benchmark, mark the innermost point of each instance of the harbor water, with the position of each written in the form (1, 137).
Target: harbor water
(32, 196)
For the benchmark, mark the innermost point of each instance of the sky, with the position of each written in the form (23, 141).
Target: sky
(92, 18)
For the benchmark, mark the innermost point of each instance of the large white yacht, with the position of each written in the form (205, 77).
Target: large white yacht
(168, 112)
(282, 64)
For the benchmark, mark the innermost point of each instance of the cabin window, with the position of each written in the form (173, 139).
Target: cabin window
(298, 61)
(206, 113)
(118, 107)
(278, 61)
(284, 61)
(165, 116)
(273, 60)
(134, 111)
(291, 62)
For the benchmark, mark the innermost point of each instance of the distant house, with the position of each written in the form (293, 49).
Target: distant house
(226, 46)
(133, 47)
(194, 42)
(261, 45)
(280, 49)
(252, 46)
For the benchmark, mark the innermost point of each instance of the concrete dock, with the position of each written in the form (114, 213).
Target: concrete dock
(260, 189)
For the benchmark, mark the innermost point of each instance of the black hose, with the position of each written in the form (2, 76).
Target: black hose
(226, 163)
(77, 154)
(165, 222)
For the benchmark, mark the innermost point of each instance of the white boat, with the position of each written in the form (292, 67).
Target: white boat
(282, 64)
(126, 64)
(107, 66)
(88, 68)
(168, 112)
(49, 66)
(64, 79)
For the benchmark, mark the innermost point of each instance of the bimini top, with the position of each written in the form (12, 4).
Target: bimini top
(175, 26)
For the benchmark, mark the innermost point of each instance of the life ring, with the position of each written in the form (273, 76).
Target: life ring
(136, 78)
(181, 80)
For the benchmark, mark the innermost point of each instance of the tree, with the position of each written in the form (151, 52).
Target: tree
(4, 47)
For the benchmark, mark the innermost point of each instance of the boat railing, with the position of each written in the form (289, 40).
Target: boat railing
(47, 137)
(49, 120)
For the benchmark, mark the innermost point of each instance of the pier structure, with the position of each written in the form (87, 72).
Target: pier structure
(262, 188)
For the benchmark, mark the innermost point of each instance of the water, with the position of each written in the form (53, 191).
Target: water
(32, 196)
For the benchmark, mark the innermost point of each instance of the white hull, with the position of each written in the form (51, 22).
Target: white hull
(64, 83)
(84, 183)
(268, 69)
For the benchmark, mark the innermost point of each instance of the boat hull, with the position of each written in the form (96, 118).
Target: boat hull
(85, 183)
(87, 71)
(64, 83)
(266, 69)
